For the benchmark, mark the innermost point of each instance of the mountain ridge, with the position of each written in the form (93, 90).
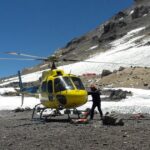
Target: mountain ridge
(98, 40)
(127, 31)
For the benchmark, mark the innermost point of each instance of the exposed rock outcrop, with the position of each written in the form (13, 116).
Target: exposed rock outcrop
(140, 11)
(106, 73)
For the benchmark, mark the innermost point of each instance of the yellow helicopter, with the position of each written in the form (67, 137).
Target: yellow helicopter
(58, 90)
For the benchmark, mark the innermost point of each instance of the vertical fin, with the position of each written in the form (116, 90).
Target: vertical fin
(20, 81)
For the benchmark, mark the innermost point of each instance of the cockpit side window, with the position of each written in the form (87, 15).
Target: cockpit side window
(50, 86)
(78, 83)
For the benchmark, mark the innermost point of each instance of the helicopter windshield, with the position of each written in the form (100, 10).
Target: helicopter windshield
(77, 82)
(62, 84)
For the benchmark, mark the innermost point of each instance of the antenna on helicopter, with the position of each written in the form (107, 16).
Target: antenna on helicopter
(53, 66)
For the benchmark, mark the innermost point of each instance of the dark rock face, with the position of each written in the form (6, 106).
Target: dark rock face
(106, 73)
(116, 27)
(75, 41)
(118, 94)
(121, 68)
(109, 27)
(112, 26)
(140, 11)
(120, 15)
(142, 2)
(147, 44)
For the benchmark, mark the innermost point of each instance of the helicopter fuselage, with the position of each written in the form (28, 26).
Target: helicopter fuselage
(59, 90)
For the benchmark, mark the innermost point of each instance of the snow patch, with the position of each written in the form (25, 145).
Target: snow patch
(136, 30)
(11, 103)
(131, 12)
(93, 47)
(145, 15)
(138, 103)
(43, 66)
(5, 90)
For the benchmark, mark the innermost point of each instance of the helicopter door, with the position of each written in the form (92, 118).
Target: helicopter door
(50, 90)
(43, 93)
(59, 86)
(43, 87)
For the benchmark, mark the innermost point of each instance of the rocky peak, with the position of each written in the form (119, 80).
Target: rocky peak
(142, 2)
(140, 11)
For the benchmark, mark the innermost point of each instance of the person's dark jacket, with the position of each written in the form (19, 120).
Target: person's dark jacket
(95, 95)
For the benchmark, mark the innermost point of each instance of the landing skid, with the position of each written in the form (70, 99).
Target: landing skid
(54, 112)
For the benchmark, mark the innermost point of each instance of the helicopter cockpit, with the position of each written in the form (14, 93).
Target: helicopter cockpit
(54, 81)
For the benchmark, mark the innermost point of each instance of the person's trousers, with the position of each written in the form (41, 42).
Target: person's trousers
(98, 105)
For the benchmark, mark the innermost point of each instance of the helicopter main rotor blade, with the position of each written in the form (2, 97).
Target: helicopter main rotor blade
(100, 62)
(73, 60)
(19, 59)
(26, 55)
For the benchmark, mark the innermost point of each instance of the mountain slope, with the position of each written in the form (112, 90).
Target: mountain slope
(131, 49)
(103, 38)
(119, 25)
(124, 40)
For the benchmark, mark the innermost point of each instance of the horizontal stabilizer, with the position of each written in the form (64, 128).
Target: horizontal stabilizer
(31, 90)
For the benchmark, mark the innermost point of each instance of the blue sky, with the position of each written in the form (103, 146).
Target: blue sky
(39, 27)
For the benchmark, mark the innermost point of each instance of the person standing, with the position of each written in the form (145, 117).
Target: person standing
(95, 93)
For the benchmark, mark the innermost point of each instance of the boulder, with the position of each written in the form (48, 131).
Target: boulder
(120, 15)
(112, 119)
(117, 94)
(121, 68)
(145, 84)
(27, 109)
(19, 109)
(106, 73)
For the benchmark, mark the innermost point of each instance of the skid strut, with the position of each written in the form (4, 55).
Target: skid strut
(42, 116)
(37, 109)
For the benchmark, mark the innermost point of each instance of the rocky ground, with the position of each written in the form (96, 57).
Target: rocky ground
(18, 131)
(132, 77)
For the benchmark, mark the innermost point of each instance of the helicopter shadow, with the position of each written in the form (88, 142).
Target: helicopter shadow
(57, 120)
(52, 120)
